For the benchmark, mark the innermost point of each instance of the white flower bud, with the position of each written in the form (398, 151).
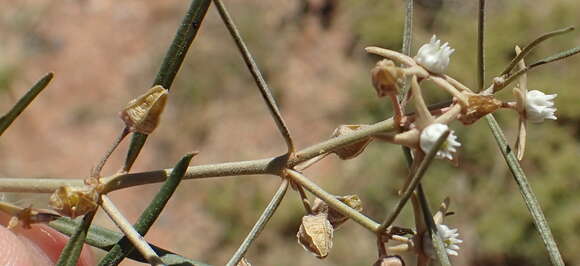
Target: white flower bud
(433, 56)
(449, 237)
(429, 136)
(540, 106)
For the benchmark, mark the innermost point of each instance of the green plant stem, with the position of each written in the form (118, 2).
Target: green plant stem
(105, 239)
(433, 231)
(260, 224)
(480, 45)
(71, 252)
(272, 166)
(332, 201)
(171, 64)
(7, 119)
(527, 193)
(256, 74)
(415, 180)
(150, 214)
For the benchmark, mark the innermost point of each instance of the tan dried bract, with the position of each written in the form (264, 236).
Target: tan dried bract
(244, 262)
(386, 77)
(354, 149)
(479, 106)
(389, 261)
(142, 114)
(336, 218)
(315, 235)
(74, 201)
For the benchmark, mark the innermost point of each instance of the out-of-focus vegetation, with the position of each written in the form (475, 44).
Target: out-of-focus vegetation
(315, 64)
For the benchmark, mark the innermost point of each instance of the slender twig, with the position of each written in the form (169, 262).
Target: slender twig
(122, 248)
(96, 173)
(260, 224)
(417, 176)
(332, 201)
(407, 44)
(136, 239)
(435, 238)
(72, 251)
(527, 193)
(531, 46)
(480, 45)
(7, 119)
(251, 64)
(272, 166)
(497, 87)
(171, 64)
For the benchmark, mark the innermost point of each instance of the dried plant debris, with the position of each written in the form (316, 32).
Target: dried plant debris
(315, 234)
(74, 201)
(352, 150)
(336, 218)
(142, 114)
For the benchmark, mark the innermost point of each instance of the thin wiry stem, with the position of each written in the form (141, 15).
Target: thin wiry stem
(407, 44)
(497, 87)
(171, 64)
(332, 201)
(435, 238)
(531, 46)
(130, 232)
(480, 45)
(415, 180)
(260, 224)
(527, 193)
(7, 119)
(96, 173)
(251, 64)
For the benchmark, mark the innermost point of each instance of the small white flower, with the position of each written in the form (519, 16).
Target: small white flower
(449, 237)
(429, 136)
(433, 56)
(540, 106)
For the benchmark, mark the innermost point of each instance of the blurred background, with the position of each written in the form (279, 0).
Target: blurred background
(106, 52)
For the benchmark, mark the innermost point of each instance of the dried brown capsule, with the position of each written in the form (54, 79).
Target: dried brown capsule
(74, 201)
(390, 261)
(336, 218)
(315, 235)
(244, 262)
(142, 114)
(354, 149)
(386, 77)
(479, 106)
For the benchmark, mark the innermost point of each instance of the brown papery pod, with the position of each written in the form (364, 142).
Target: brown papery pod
(386, 77)
(336, 218)
(244, 262)
(142, 114)
(354, 149)
(315, 235)
(479, 106)
(389, 261)
(74, 201)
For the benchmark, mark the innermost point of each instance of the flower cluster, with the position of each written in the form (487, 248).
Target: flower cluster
(540, 106)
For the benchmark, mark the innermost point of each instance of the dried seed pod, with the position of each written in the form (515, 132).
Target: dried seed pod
(29, 216)
(479, 106)
(244, 262)
(354, 149)
(142, 114)
(336, 218)
(315, 235)
(390, 261)
(386, 77)
(74, 201)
